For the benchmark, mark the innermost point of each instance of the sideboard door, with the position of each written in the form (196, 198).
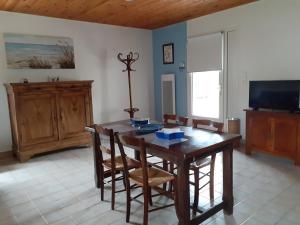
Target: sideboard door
(260, 128)
(285, 136)
(74, 113)
(37, 119)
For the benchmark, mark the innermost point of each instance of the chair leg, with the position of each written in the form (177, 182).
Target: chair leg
(102, 183)
(128, 202)
(124, 182)
(150, 197)
(196, 192)
(212, 177)
(171, 171)
(113, 190)
(165, 167)
(174, 182)
(146, 206)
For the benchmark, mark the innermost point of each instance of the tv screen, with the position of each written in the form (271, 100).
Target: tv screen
(279, 94)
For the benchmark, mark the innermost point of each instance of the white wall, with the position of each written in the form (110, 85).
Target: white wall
(96, 48)
(265, 45)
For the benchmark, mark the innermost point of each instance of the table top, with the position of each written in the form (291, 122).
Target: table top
(199, 142)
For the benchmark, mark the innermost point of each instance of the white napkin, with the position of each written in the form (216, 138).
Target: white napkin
(170, 130)
(140, 119)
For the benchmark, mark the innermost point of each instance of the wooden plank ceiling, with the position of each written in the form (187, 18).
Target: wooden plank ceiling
(148, 14)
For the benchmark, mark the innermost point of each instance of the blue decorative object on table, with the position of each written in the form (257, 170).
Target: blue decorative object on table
(170, 134)
(148, 128)
(136, 122)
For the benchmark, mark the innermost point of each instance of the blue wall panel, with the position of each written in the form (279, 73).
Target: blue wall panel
(176, 34)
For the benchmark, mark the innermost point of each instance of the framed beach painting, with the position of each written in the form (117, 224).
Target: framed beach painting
(25, 51)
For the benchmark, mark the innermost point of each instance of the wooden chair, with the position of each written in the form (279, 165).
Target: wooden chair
(146, 177)
(209, 161)
(113, 164)
(183, 121)
(172, 119)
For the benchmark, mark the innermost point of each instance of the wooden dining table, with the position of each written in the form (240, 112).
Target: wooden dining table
(199, 144)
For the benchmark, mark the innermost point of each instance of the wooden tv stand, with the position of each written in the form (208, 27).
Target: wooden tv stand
(277, 133)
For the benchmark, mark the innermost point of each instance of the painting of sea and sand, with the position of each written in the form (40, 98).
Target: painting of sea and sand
(38, 52)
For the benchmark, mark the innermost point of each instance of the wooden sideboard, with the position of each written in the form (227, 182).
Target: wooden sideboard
(277, 133)
(48, 116)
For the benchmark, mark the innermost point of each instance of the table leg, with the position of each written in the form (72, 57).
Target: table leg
(97, 165)
(183, 190)
(227, 180)
(137, 155)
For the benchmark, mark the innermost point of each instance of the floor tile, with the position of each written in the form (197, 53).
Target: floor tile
(58, 189)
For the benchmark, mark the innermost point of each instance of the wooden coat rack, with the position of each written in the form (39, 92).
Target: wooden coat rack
(128, 61)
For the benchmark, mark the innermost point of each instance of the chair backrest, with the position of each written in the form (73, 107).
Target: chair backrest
(137, 144)
(183, 121)
(208, 125)
(172, 119)
(98, 134)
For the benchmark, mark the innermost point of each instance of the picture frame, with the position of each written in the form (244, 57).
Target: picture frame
(168, 53)
(30, 51)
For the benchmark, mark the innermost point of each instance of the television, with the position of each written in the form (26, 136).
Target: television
(275, 94)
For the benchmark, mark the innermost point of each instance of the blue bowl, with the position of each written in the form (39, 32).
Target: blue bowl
(139, 122)
(171, 136)
(148, 128)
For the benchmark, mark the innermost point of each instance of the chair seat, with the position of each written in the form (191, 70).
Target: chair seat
(156, 176)
(200, 163)
(132, 163)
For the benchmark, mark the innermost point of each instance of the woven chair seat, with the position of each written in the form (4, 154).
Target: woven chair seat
(156, 176)
(132, 163)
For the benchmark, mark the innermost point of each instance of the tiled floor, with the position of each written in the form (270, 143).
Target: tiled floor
(58, 189)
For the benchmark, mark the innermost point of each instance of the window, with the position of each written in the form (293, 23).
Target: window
(205, 68)
(205, 94)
